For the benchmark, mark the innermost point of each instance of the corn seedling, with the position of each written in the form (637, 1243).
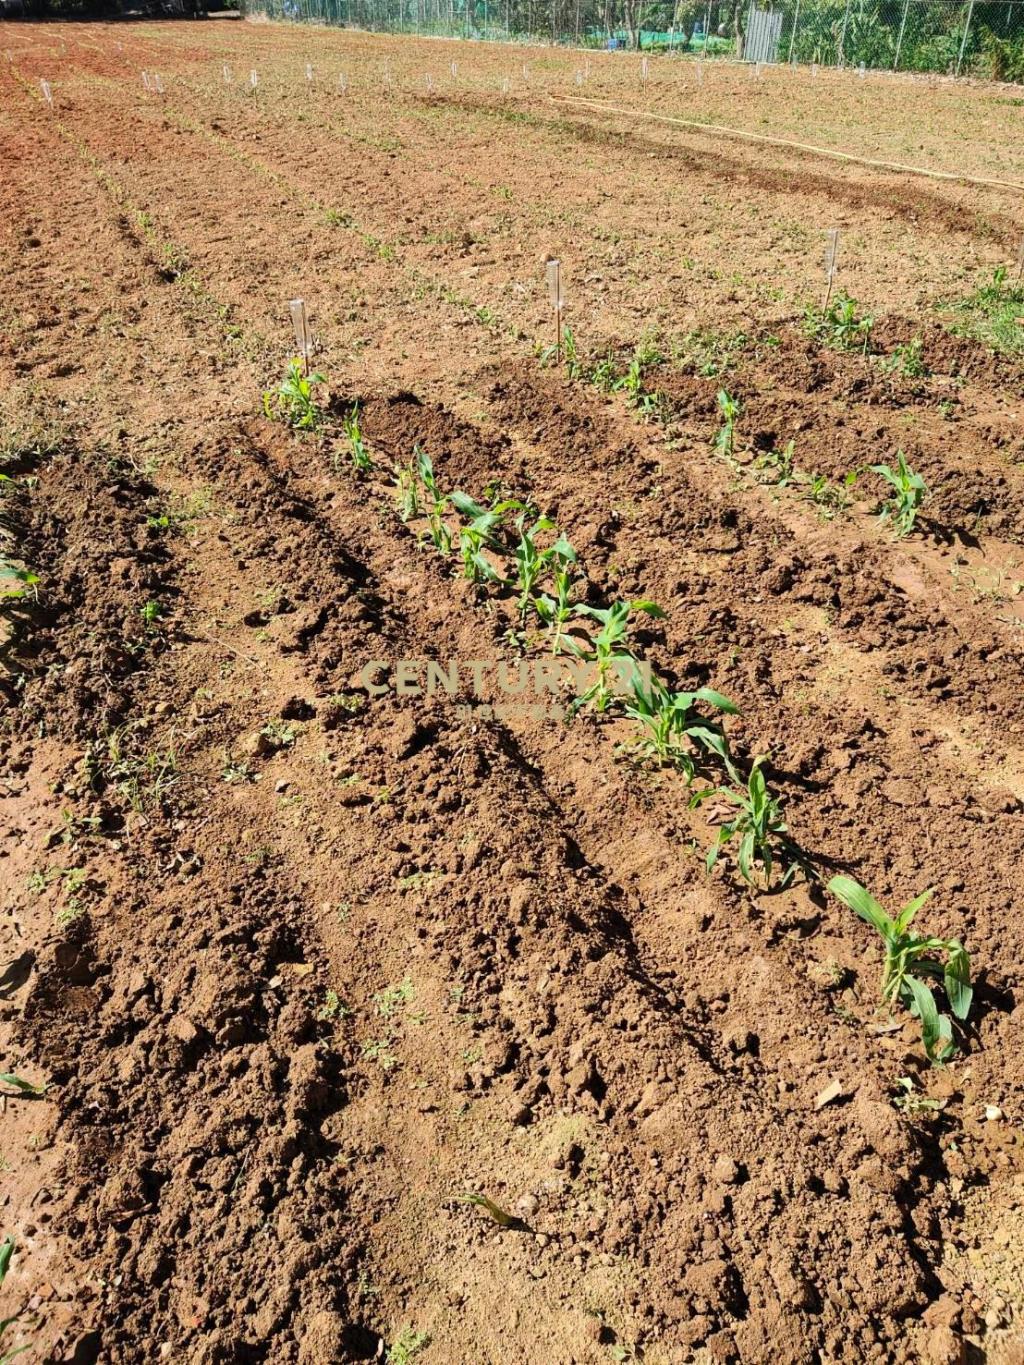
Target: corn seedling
(907, 958)
(840, 325)
(440, 531)
(407, 491)
(609, 650)
(15, 581)
(20, 1084)
(556, 611)
(909, 491)
(500, 1215)
(532, 562)
(758, 824)
(570, 354)
(725, 441)
(479, 534)
(292, 401)
(632, 384)
(669, 717)
(6, 1252)
(356, 444)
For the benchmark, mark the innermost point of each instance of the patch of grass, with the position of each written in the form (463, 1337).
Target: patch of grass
(994, 314)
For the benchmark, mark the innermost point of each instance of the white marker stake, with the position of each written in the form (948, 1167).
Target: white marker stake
(557, 301)
(227, 74)
(814, 71)
(831, 257)
(145, 81)
(430, 85)
(454, 69)
(863, 71)
(309, 74)
(526, 73)
(504, 85)
(645, 71)
(303, 338)
(47, 92)
(254, 81)
(579, 77)
(158, 85)
(342, 84)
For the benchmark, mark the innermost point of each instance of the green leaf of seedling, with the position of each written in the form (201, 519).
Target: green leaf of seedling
(851, 893)
(19, 1083)
(957, 979)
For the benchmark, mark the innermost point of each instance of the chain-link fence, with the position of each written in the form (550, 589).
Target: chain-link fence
(956, 37)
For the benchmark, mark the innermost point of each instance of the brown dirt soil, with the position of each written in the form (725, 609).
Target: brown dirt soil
(301, 964)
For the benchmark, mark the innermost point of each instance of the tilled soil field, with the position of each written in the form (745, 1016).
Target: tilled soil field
(295, 957)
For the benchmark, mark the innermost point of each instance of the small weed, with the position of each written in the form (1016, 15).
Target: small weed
(388, 1002)
(908, 1102)
(236, 772)
(379, 1050)
(908, 360)
(406, 1346)
(776, 466)
(332, 1008)
(992, 314)
(829, 498)
(907, 954)
(279, 734)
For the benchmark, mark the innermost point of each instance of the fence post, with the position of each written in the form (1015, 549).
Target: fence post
(707, 30)
(842, 37)
(899, 40)
(963, 40)
(792, 36)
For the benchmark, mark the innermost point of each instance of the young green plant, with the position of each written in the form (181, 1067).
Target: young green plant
(356, 443)
(292, 401)
(556, 611)
(725, 441)
(908, 958)
(909, 492)
(757, 824)
(439, 530)
(668, 718)
(616, 668)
